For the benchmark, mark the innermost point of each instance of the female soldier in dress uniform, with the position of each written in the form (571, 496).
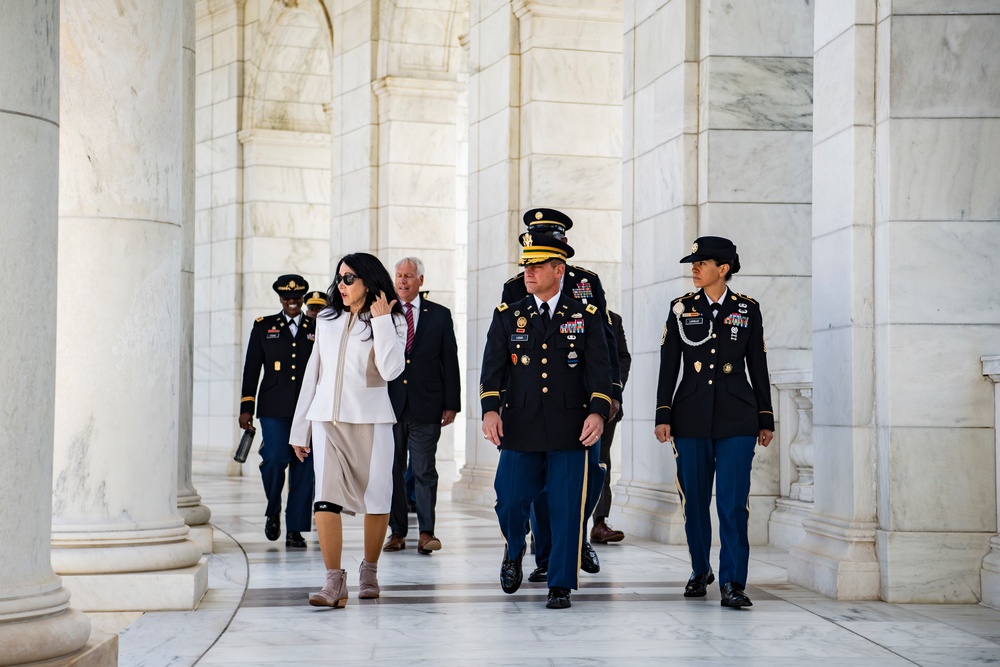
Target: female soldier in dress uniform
(715, 416)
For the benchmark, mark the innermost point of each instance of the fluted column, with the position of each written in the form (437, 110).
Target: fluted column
(189, 505)
(117, 536)
(36, 622)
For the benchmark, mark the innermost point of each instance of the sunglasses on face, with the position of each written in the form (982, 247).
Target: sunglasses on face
(346, 278)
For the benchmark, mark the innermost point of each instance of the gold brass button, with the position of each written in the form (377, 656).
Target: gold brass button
(294, 344)
(407, 361)
(518, 346)
(544, 375)
(293, 378)
(293, 356)
(545, 361)
(572, 344)
(293, 367)
(710, 366)
(545, 390)
(405, 382)
(710, 382)
(713, 350)
(545, 346)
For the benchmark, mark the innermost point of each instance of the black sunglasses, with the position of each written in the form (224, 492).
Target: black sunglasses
(346, 278)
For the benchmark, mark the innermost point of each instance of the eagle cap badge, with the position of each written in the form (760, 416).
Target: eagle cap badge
(526, 240)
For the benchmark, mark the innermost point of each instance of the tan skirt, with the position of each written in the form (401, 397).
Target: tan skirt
(353, 464)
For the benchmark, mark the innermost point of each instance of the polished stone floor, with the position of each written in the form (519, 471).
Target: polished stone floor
(448, 609)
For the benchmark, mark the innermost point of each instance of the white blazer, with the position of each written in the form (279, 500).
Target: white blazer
(346, 377)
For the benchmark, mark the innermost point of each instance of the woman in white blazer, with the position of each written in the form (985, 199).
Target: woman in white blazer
(344, 410)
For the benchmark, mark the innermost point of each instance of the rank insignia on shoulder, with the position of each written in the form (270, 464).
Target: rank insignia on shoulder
(260, 319)
(502, 307)
(591, 309)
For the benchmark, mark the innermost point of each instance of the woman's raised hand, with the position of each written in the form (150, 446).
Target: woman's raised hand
(380, 306)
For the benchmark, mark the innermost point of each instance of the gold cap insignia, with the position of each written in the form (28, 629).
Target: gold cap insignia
(728, 368)
(538, 215)
(526, 240)
(694, 248)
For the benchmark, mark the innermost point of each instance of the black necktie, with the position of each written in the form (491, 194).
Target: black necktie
(545, 314)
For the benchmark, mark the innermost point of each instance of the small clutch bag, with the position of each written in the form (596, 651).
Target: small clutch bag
(244, 447)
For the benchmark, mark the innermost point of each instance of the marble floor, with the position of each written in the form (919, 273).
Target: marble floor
(448, 609)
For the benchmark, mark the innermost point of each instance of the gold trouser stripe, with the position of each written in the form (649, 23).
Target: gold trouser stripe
(583, 519)
(487, 394)
(677, 483)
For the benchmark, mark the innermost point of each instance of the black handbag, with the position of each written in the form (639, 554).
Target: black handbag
(243, 448)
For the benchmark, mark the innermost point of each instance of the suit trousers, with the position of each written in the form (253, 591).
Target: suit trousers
(278, 455)
(728, 461)
(419, 442)
(520, 478)
(540, 521)
(603, 507)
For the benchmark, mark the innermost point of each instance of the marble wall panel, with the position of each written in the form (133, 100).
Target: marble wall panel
(497, 37)
(497, 188)
(763, 232)
(943, 169)
(784, 303)
(739, 159)
(846, 456)
(498, 87)
(913, 354)
(764, 28)
(662, 177)
(757, 93)
(498, 138)
(930, 7)
(919, 484)
(565, 181)
(843, 181)
(291, 220)
(560, 75)
(833, 254)
(223, 257)
(661, 42)
(844, 397)
(834, 17)
(276, 256)
(421, 143)
(225, 117)
(554, 128)
(353, 26)
(594, 28)
(357, 149)
(225, 222)
(415, 185)
(931, 567)
(354, 68)
(204, 88)
(224, 44)
(355, 109)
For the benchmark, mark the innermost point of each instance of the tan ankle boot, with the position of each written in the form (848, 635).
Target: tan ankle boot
(334, 593)
(369, 581)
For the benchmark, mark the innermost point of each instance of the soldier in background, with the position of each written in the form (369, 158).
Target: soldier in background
(281, 345)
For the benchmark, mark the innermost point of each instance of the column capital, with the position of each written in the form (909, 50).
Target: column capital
(577, 10)
(389, 86)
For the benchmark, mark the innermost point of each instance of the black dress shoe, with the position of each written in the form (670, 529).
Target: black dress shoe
(697, 585)
(540, 573)
(294, 540)
(272, 527)
(588, 559)
(733, 595)
(510, 572)
(558, 598)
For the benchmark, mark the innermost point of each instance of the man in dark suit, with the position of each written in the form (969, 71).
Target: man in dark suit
(281, 345)
(584, 286)
(547, 355)
(426, 397)
(602, 533)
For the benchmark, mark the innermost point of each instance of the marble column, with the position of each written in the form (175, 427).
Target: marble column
(545, 130)
(906, 151)
(990, 571)
(719, 95)
(117, 537)
(36, 621)
(189, 505)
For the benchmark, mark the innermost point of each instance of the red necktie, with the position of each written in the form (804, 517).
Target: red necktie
(408, 309)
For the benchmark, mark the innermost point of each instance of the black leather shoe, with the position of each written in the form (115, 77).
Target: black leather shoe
(588, 559)
(539, 574)
(697, 585)
(733, 595)
(294, 540)
(558, 598)
(272, 527)
(510, 572)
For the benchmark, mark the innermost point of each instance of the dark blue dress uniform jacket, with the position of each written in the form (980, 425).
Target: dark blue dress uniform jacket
(714, 398)
(283, 359)
(553, 378)
(431, 381)
(585, 287)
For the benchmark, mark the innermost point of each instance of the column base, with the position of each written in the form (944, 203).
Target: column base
(990, 574)
(475, 487)
(193, 513)
(101, 650)
(785, 525)
(836, 558)
(650, 512)
(204, 537)
(163, 590)
(931, 568)
(45, 639)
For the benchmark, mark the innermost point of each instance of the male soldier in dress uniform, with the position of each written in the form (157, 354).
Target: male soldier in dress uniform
(584, 286)
(281, 344)
(548, 355)
(315, 302)
(715, 416)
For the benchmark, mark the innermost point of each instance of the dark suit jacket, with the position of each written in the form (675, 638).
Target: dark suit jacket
(553, 377)
(624, 357)
(714, 398)
(430, 382)
(283, 359)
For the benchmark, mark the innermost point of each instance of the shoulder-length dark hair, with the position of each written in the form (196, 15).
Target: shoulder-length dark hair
(376, 279)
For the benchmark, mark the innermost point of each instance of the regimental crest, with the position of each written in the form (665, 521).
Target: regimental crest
(526, 240)
(694, 248)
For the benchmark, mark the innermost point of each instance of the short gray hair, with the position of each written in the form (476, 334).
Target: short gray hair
(415, 261)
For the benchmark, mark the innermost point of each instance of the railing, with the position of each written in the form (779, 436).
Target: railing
(794, 439)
